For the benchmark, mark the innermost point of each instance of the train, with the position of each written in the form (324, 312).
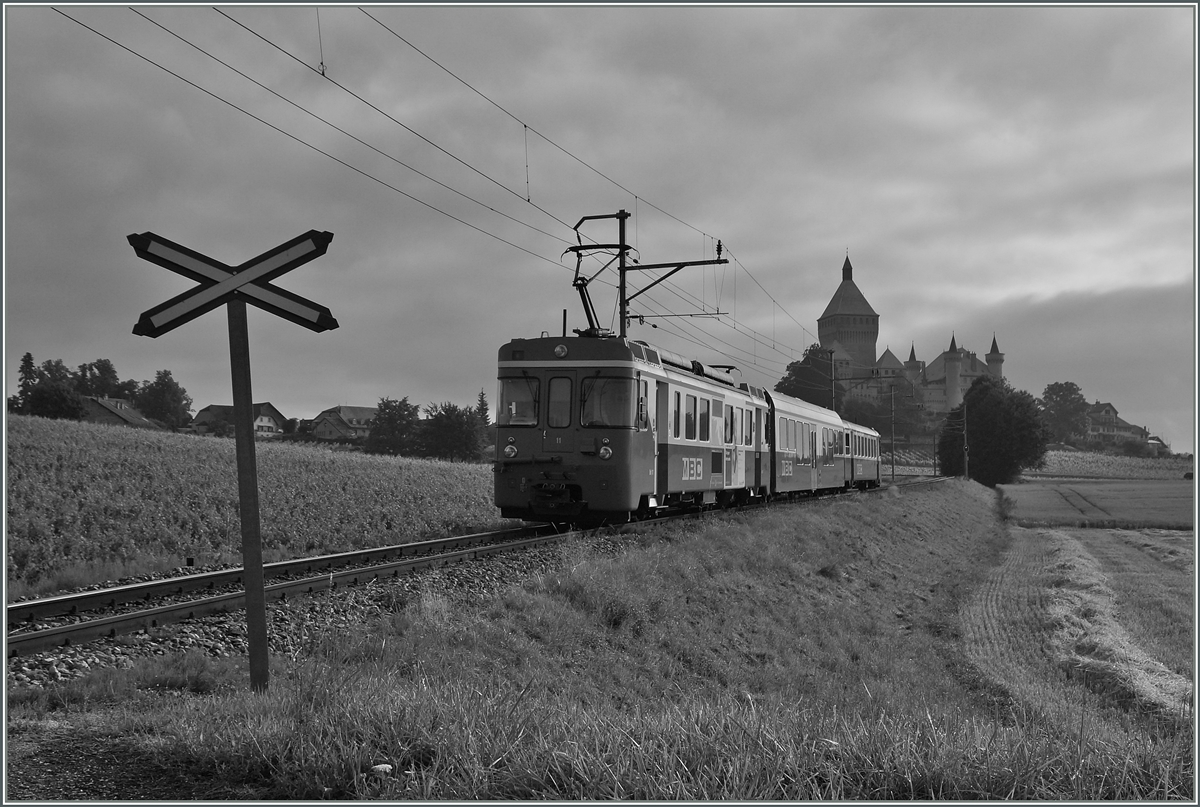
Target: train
(607, 430)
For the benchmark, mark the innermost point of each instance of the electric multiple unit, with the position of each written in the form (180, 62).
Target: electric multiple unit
(595, 430)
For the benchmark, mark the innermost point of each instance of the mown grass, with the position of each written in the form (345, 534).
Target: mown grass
(802, 654)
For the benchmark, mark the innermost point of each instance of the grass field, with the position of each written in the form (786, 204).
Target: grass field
(1167, 504)
(909, 645)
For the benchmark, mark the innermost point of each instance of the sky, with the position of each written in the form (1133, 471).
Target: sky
(1027, 173)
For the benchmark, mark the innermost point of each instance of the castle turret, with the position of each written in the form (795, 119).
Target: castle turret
(953, 375)
(995, 360)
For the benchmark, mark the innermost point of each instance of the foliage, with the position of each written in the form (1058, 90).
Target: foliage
(55, 400)
(395, 430)
(165, 401)
(1133, 447)
(451, 432)
(1003, 429)
(93, 379)
(1064, 409)
(808, 379)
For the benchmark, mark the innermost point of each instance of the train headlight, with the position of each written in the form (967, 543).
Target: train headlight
(605, 452)
(560, 351)
(510, 451)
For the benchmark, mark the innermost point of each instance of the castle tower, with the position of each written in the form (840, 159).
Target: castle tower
(953, 375)
(850, 321)
(995, 360)
(912, 367)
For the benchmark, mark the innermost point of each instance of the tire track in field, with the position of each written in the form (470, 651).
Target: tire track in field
(1086, 507)
(1043, 621)
(1004, 629)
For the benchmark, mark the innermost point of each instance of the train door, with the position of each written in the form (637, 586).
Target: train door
(559, 435)
(663, 406)
(758, 447)
(735, 474)
(648, 397)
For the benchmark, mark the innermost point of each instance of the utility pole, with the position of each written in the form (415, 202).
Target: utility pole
(623, 267)
(966, 449)
(832, 384)
(893, 391)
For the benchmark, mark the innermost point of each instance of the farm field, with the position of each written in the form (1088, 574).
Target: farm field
(1168, 504)
(88, 503)
(907, 645)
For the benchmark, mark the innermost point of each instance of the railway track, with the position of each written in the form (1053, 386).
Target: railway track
(50, 622)
(72, 619)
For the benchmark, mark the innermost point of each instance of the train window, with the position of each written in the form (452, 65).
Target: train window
(705, 419)
(675, 407)
(643, 410)
(748, 428)
(689, 418)
(558, 408)
(781, 433)
(518, 404)
(606, 402)
(729, 431)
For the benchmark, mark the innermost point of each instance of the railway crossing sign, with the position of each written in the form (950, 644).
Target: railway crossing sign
(220, 283)
(233, 287)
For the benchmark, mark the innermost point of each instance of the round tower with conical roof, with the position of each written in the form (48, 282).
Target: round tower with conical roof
(953, 375)
(850, 321)
(995, 360)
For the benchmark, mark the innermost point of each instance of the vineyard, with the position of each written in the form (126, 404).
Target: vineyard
(86, 494)
(1080, 464)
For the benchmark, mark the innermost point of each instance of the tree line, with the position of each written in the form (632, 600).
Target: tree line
(53, 390)
(448, 431)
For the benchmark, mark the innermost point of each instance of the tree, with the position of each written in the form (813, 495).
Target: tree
(395, 429)
(1004, 433)
(450, 432)
(483, 413)
(55, 371)
(809, 378)
(98, 378)
(28, 377)
(164, 400)
(1064, 409)
(50, 399)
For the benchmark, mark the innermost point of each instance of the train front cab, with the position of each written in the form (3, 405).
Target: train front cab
(574, 432)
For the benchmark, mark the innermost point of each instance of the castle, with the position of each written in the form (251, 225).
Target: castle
(850, 329)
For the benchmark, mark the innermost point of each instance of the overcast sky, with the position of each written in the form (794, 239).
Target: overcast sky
(1024, 172)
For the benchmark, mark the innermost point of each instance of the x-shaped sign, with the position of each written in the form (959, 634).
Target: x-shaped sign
(220, 283)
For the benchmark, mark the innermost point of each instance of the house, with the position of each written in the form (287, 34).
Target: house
(1104, 426)
(344, 422)
(115, 411)
(268, 421)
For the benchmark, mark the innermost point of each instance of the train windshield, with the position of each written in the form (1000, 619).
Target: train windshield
(518, 405)
(606, 402)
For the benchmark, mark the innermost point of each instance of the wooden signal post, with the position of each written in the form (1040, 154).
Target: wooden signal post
(233, 287)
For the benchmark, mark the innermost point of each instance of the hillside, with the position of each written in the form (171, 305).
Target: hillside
(92, 495)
